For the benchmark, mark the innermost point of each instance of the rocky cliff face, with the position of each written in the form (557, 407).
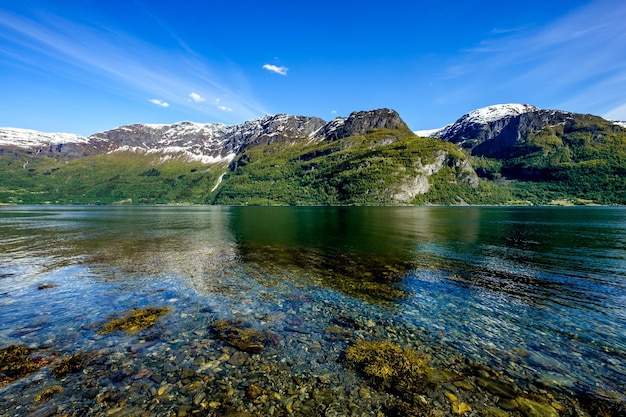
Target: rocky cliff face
(495, 131)
(362, 122)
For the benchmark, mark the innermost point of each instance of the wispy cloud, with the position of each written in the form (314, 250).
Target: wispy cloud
(617, 113)
(575, 62)
(196, 98)
(109, 59)
(159, 102)
(224, 108)
(276, 69)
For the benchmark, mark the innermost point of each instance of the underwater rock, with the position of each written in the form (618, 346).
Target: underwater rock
(73, 364)
(532, 408)
(389, 365)
(496, 387)
(47, 394)
(460, 408)
(47, 410)
(139, 319)
(241, 335)
(46, 286)
(495, 412)
(238, 358)
(336, 333)
(253, 392)
(136, 347)
(16, 362)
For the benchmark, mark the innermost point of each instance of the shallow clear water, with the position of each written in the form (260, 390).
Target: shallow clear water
(536, 293)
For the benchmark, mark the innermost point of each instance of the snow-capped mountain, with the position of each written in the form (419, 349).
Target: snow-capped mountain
(494, 130)
(207, 143)
(480, 116)
(204, 142)
(26, 138)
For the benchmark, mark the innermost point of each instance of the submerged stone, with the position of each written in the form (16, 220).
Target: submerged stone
(389, 365)
(16, 362)
(460, 408)
(139, 319)
(495, 412)
(46, 394)
(500, 388)
(73, 364)
(241, 335)
(532, 408)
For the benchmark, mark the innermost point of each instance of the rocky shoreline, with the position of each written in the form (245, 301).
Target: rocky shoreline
(304, 359)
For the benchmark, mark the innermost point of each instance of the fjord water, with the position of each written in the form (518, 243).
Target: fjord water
(538, 294)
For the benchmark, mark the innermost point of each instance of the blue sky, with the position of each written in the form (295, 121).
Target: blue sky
(84, 66)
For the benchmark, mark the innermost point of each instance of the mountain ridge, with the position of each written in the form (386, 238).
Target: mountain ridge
(499, 154)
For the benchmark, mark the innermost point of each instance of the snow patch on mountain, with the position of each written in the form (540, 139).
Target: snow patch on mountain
(430, 133)
(27, 138)
(482, 116)
(497, 112)
(620, 124)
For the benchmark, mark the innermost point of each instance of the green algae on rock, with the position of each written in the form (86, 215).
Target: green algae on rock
(139, 319)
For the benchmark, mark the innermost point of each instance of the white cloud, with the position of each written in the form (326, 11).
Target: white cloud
(277, 70)
(224, 108)
(333, 112)
(196, 98)
(159, 102)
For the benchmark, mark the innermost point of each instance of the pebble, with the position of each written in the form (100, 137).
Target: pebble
(464, 385)
(238, 358)
(460, 408)
(253, 391)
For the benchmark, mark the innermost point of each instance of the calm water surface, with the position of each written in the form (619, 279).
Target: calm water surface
(536, 293)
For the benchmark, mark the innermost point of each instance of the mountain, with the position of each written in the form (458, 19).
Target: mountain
(520, 153)
(495, 131)
(554, 153)
(369, 157)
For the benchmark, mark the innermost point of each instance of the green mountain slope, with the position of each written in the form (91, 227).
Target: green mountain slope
(369, 158)
(106, 179)
(582, 159)
(379, 168)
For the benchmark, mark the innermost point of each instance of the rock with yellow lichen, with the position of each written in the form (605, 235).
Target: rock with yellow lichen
(16, 361)
(48, 393)
(396, 369)
(138, 319)
(70, 365)
(241, 335)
